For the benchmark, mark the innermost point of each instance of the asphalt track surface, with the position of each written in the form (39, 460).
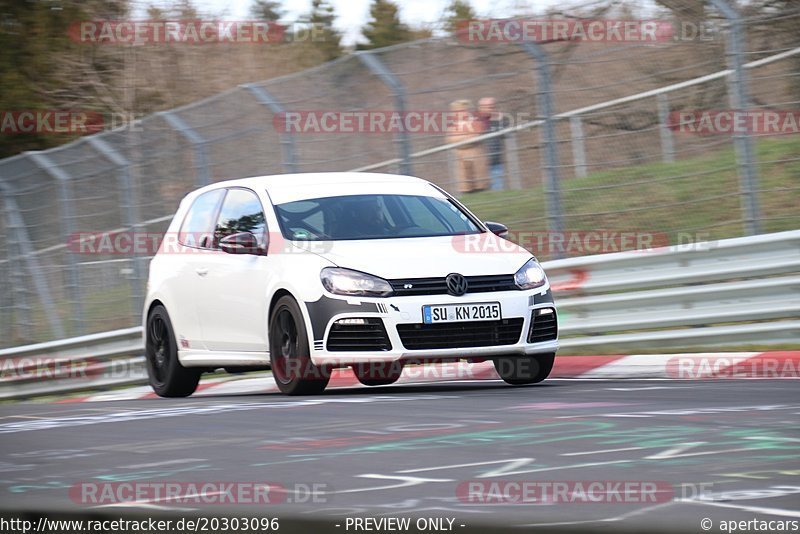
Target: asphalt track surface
(726, 449)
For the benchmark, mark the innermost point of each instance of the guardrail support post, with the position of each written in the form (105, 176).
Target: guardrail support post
(399, 93)
(64, 181)
(130, 216)
(552, 190)
(265, 98)
(578, 149)
(740, 101)
(667, 145)
(202, 176)
(17, 227)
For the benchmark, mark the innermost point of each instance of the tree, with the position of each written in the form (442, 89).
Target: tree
(686, 10)
(268, 10)
(384, 27)
(457, 14)
(325, 37)
(185, 10)
(155, 13)
(43, 68)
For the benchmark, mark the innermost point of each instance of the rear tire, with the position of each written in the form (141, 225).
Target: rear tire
(289, 353)
(521, 370)
(167, 376)
(378, 374)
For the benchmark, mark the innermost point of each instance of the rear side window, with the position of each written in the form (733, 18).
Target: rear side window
(199, 221)
(241, 212)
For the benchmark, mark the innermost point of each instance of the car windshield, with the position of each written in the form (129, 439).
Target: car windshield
(372, 216)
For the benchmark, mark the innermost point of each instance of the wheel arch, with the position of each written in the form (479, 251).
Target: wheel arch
(153, 304)
(146, 316)
(283, 292)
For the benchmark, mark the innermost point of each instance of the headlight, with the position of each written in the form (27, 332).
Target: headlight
(530, 275)
(353, 283)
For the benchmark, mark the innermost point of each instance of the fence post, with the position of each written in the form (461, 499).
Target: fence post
(399, 93)
(66, 201)
(740, 101)
(20, 307)
(16, 226)
(452, 181)
(130, 216)
(17, 304)
(578, 149)
(667, 145)
(512, 150)
(202, 176)
(552, 190)
(265, 98)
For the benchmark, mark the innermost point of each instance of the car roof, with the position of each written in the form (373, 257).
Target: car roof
(310, 179)
(285, 187)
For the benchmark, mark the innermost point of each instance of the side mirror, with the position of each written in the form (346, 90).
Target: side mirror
(500, 230)
(241, 243)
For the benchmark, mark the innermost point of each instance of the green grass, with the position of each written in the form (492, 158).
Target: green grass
(698, 197)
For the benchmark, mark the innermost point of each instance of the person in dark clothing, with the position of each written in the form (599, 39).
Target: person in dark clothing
(494, 121)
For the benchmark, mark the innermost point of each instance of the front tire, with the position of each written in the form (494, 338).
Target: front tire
(167, 376)
(521, 370)
(289, 353)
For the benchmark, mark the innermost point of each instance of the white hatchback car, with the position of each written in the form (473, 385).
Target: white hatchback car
(309, 272)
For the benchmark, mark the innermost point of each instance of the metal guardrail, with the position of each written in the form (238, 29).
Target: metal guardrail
(85, 363)
(743, 291)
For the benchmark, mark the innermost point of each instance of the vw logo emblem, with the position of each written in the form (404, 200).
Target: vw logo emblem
(456, 284)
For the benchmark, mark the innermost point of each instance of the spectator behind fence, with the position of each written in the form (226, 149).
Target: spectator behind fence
(470, 160)
(493, 121)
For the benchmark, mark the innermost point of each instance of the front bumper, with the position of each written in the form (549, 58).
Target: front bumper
(394, 311)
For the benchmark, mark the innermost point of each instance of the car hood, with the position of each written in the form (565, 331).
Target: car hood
(421, 257)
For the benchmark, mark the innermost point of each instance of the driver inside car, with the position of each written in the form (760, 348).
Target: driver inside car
(361, 218)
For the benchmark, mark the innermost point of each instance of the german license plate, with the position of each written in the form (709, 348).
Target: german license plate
(455, 313)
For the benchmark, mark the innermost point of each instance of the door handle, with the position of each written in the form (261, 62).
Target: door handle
(202, 271)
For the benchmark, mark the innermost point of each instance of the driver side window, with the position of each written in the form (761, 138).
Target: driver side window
(241, 212)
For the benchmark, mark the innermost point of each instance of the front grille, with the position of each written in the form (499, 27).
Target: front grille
(460, 335)
(371, 335)
(544, 325)
(438, 286)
